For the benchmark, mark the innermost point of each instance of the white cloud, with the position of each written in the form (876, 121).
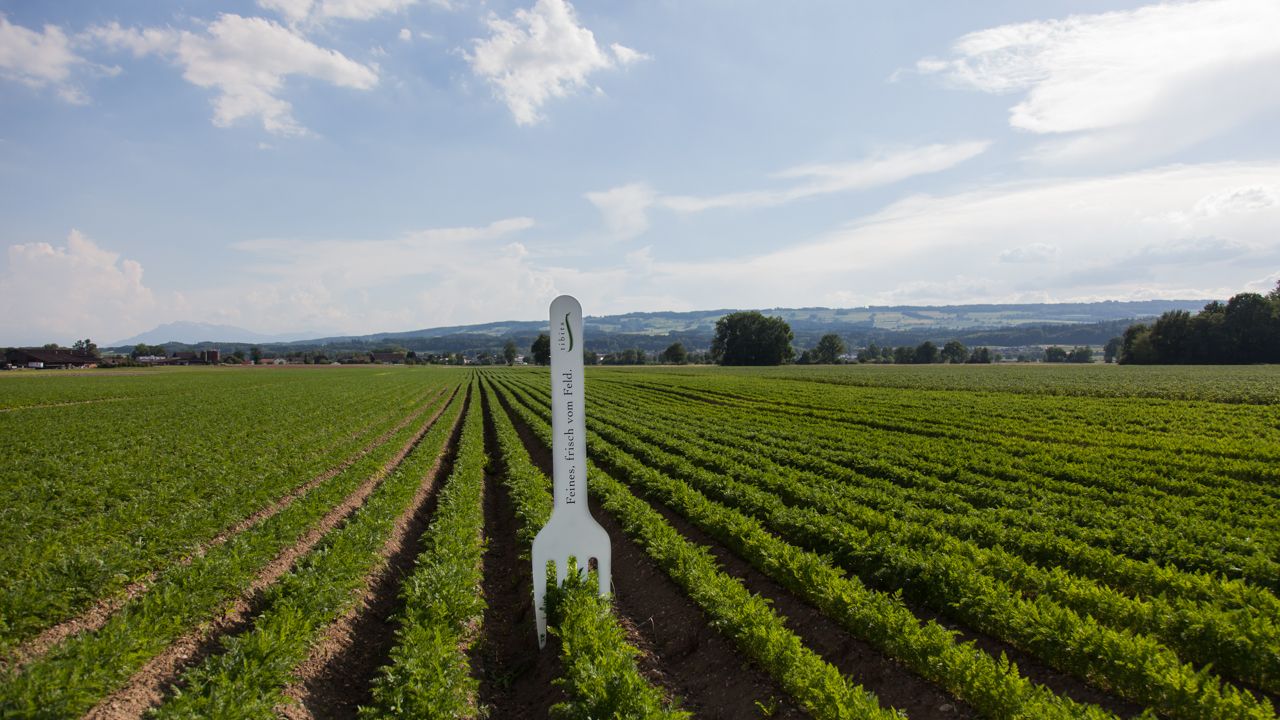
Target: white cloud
(436, 277)
(58, 294)
(540, 54)
(432, 277)
(814, 180)
(316, 11)
(625, 209)
(1264, 285)
(294, 11)
(406, 34)
(1142, 82)
(361, 9)
(1238, 200)
(39, 59)
(1033, 253)
(246, 60)
(626, 55)
(1113, 235)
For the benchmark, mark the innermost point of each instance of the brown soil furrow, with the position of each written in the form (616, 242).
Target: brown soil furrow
(515, 675)
(146, 688)
(896, 686)
(337, 677)
(102, 610)
(703, 668)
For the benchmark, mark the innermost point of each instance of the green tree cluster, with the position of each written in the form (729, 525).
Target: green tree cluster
(1245, 329)
(751, 338)
(675, 354)
(953, 352)
(1078, 354)
(631, 356)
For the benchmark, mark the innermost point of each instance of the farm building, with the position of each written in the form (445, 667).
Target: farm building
(45, 358)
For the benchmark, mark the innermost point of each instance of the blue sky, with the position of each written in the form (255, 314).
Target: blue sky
(351, 166)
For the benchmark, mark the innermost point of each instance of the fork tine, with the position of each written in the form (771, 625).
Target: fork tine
(604, 574)
(539, 601)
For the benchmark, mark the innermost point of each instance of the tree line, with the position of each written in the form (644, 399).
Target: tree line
(752, 338)
(1245, 329)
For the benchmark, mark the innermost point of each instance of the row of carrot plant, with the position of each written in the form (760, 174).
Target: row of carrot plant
(1239, 644)
(81, 671)
(600, 676)
(929, 568)
(94, 497)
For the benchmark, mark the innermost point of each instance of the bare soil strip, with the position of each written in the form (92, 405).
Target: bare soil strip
(701, 667)
(97, 615)
(338, 676)
(515, 675)
(146, 688)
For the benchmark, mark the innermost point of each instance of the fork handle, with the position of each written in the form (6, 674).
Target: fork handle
(568, 428)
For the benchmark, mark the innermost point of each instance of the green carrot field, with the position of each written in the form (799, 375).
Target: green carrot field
(828, 542)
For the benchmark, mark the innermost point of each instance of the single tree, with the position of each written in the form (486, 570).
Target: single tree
(829, 350)
(86, 347)
(954, 352)
(926, 353)
(255, 354)
(674, 354)
(509, 352)
(541, 349)
(750, 338)
(1111, 350)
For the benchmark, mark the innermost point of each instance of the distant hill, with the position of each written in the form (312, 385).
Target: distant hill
(190, 333)
(997, 325)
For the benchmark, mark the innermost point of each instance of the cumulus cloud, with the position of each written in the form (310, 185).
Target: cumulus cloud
(539, 54)
(246, 61)
(625, 209)
(60, 293)
(40, 59)
(1144, 82)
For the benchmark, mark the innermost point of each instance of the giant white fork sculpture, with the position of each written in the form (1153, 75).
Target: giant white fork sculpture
(571, 529)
